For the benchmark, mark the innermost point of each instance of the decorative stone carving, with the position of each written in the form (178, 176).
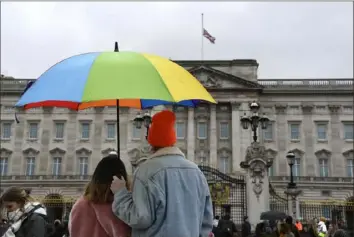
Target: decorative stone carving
(220, 192)
(83, 150)
(280, 108)
(235, 105)
(334, 108)
(323, 153)
(257, 163)
(107, 151)
(307, 108)
(255, 151)
(210, 82)
(137, 154)
(5, 152)
(349, 154)
(30, 150)
(57, 150)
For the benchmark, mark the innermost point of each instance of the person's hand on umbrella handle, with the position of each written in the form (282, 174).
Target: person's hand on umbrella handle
(117, 184)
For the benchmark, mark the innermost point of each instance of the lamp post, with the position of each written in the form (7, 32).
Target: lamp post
(291, 161)
(254, 120)
(291, 189)
(141, 120)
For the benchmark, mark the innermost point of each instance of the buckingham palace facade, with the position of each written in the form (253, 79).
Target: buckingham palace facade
(54, 150)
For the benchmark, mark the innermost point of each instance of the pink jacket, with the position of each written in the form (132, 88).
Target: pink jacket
(95, 220)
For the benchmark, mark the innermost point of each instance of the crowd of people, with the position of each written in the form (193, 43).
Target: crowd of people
(281, 228)
(168, 196)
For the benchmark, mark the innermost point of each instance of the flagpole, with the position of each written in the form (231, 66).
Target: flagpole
(202, 49)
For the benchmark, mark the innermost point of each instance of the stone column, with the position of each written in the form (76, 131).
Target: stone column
(336, 141)
(298, 209)
(293, 207)
(17, 159)
(47, 124)
(191, 135)
(256, 164)
(307, 125)
(98, 134)
(235, 135)
(282, 138)
(213, 137)
(72, 125)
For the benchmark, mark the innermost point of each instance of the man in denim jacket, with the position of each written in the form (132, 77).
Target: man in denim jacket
(170, 196)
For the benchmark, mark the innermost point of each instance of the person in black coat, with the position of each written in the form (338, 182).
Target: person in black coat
(27, 219)
(59, 229)
(246, 227)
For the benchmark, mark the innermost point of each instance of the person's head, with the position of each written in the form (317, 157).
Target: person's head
(217, 217)
(289, 220)
(162, 130)
(323, 219)
(245, 218)
(15, 198)
(227, 217)
(284, 228)
(98, 189)
(57, 223)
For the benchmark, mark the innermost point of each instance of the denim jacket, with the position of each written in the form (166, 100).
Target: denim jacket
(170, 197)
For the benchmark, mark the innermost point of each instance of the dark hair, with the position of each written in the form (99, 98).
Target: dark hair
(227, 217)
(98, 189)
(217, 217)
(16, 194)
(289, 220)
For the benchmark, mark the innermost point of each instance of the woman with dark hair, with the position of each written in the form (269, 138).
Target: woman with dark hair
(25, 218)
(92, 214)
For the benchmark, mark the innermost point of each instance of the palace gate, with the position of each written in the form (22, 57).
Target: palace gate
(228, 193)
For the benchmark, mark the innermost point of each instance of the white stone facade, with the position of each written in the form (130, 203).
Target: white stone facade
(313, 118)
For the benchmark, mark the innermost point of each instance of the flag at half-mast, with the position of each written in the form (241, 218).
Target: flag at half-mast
(207, 35)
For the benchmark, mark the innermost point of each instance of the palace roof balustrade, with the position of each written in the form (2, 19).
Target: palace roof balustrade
(280, 181)
(10, 85)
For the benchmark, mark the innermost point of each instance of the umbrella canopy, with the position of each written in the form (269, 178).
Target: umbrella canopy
(100, 79)
(273, 215)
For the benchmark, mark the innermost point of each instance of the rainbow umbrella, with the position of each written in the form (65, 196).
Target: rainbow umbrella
(122, 79)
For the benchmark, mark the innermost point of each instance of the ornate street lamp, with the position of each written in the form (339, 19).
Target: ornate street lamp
(291, 161)
(141, 120)
(254, 120)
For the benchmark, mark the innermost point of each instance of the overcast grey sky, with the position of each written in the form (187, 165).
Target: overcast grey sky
(289, 40)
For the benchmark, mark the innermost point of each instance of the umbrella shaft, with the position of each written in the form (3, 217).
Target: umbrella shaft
(118, 132)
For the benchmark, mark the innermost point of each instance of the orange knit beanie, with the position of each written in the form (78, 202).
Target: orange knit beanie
(162, 129)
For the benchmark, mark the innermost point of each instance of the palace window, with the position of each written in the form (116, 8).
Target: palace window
(350, 167)
(224, 164)
(56, 170)
(180, 130)
(202, 130)
(268, 132)
(83, 165)
(30, 166)
(111, 130)
(348, 131)
(3, 166)
(59, 130)
(297, 167)
(324, 169)
(6, 130)
(33, 130)
(224, 130)
(321, 131)
(294, 131)
(136, 133)
(85, 130)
